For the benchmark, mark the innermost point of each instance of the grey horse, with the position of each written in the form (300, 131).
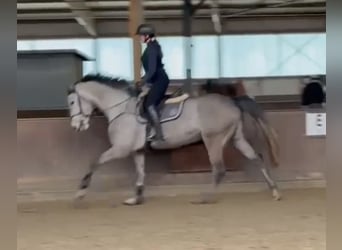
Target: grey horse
(213, 119)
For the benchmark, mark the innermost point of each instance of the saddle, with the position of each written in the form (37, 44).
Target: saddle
(169, 109)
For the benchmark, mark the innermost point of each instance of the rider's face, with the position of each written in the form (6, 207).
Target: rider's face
(143, 38)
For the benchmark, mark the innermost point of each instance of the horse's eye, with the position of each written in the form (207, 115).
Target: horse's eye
(72, 102)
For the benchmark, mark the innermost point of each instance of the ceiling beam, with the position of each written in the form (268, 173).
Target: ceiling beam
(224, 13)
(216, 16)
(171, 27)
(83, 15)
(148, 3)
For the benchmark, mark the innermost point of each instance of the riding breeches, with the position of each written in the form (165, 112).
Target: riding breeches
(156, 93)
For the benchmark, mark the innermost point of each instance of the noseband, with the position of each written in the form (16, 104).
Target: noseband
(106, 109)
(80, 106)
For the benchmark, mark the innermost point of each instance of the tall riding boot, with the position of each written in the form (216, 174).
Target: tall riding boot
(155, 120)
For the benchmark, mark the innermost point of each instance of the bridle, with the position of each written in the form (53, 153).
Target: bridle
(82, 113)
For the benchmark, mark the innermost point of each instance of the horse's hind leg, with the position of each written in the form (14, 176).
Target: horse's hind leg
(246, 149)
(270, 180)
(215, 145)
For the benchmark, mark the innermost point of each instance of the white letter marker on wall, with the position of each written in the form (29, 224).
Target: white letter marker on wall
(315, 124)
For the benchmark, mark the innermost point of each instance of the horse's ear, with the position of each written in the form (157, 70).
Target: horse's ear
(71, 89)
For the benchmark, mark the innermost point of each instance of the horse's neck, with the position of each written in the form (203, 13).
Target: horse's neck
(128, 106)
(108, 100)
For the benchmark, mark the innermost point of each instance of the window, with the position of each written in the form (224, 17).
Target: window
(246, 55)
(273, 55)
(115, 57)
(174, 57)
(205, 57)
(85, 46)
(24, 45)
(302, 54)
(240, 55)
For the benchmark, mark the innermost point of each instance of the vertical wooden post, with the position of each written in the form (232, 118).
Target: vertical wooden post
(187, 18)
(96, 54)
(215, 16)
(136, 17)
(188, 12)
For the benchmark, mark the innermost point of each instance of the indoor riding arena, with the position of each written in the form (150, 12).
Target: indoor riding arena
(260, 186)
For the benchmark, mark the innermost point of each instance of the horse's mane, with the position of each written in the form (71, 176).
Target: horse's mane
(113, 82)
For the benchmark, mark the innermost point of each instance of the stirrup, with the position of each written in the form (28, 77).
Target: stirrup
(151, 135)
(159, 136)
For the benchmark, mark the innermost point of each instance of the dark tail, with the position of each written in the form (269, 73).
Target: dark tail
(249, 106)
(272, 141)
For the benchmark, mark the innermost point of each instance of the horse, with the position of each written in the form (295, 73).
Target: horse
(213, 119)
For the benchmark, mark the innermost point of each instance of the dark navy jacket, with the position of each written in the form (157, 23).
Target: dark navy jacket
(152, 64)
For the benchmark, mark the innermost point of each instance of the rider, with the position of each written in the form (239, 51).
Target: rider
(155, 76)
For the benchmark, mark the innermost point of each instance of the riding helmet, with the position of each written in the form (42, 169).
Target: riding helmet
(145, 30)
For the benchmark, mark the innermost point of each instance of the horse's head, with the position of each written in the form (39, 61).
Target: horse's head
(109, 95)
(80, 109)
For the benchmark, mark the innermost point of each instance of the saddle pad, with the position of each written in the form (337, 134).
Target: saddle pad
(169, 112)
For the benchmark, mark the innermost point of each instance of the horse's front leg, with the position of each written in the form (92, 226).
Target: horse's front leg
(107, 156)
(139, 160)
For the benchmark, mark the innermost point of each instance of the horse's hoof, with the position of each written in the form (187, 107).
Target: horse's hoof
(276, 195)
(80, 194)
(203, 202)
(78, 203)
(207, 199)
(134, 201)
(113, 205)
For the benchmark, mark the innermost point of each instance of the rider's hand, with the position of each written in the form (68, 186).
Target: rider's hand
(141, 83)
